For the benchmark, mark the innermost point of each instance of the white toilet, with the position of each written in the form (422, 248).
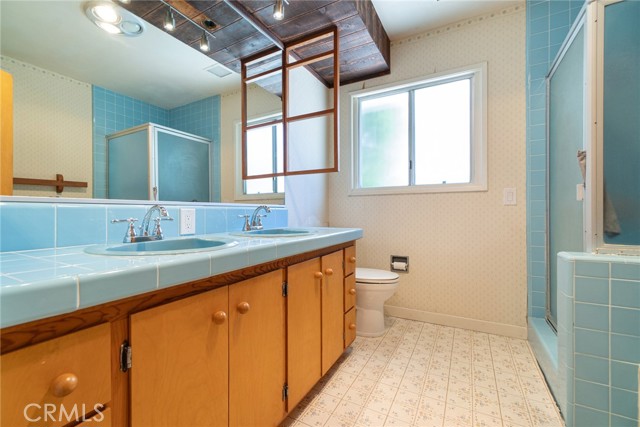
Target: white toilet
(373, 288)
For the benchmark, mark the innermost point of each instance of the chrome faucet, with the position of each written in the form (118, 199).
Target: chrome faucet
(163, 215)
(256, 219)
(131, 236)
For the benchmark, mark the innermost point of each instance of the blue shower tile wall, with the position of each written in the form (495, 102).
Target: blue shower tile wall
(599, 339)
(548, 23)
(113, 112)
(28, 226)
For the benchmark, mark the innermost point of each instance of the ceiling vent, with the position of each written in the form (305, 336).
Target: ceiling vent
(218, 70)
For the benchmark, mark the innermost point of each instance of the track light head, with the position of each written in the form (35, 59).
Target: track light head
(278, 10)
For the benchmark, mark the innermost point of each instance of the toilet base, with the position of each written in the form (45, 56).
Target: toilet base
(369, 323)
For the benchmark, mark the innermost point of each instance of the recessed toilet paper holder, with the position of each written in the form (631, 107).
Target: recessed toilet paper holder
(400, 263)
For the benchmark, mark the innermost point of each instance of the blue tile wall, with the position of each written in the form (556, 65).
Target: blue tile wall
(29, 226)
(599, 336)
(113, 112)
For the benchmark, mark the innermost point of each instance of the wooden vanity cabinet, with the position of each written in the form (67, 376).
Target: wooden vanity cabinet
(180, 362)
(315, 321)
(213, 359)
(57, 382)
(215, 352)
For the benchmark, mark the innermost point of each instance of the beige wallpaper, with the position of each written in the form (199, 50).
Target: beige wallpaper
(52, 129)
(467, 251)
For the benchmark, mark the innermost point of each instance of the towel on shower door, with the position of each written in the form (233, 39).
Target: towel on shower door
(611, 223)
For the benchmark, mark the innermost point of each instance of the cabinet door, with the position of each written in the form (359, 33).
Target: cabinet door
(180, 362)
(303, 329)
(332, 309)
(257, 351)
(57, 381)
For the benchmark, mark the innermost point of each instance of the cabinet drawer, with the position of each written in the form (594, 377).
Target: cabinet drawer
(349, 292)
(57, 381)
(349, 260)
(103, 419)
(349, 327)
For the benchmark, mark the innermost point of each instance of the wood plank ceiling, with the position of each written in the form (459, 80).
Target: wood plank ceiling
(364, 44)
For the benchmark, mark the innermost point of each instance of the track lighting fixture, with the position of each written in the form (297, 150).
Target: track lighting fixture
(204, 42)
(169, 20)
(278, 10)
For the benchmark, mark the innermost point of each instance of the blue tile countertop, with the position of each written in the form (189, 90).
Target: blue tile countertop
(40, 283)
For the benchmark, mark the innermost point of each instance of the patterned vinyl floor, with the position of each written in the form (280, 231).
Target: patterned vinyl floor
(425, 375)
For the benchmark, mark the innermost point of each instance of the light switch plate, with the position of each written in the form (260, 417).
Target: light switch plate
(509, 197)
(187, 221)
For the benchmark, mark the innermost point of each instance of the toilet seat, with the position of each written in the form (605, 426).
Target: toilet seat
(373, 276)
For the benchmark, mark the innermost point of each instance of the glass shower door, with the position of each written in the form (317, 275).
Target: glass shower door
(565, 127)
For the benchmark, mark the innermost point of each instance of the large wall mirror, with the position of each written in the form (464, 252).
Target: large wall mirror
(75, 85)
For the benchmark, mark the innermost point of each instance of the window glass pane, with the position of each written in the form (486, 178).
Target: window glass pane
(383, 141)
(260, 151)
(443, 133)
(259, 186)
(264, 159)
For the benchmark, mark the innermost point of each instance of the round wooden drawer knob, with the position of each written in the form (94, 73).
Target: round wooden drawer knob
(219, 317)
(352, 291)
(64, 384)
(352, 326)
(318, 275)
(329, 271)
(352, 259)
(243, 307)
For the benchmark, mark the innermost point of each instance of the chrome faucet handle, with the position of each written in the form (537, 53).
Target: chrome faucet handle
(247, 224)
(259, 220)
(130, 235)
(157, 231)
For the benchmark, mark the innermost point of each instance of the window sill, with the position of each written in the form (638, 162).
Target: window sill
(418, 189)
(258, 197)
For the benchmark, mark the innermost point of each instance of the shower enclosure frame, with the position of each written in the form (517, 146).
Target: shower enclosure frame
(591, 18)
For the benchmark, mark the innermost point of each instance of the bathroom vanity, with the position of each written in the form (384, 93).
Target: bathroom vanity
(239, 348)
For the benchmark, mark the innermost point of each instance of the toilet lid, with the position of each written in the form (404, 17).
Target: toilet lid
(371, 275)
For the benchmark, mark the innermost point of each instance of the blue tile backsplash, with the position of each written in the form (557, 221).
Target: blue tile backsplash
(29, 226)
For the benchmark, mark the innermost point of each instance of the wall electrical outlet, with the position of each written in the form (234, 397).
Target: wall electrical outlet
(187, 221)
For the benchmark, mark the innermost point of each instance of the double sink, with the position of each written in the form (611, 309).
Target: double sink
(190, 244)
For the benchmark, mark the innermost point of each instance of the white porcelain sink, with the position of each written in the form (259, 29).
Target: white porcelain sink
(275, 232)
(163, 247)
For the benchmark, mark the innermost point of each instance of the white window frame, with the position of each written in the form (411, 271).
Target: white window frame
(478, 182)
(239, 187)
